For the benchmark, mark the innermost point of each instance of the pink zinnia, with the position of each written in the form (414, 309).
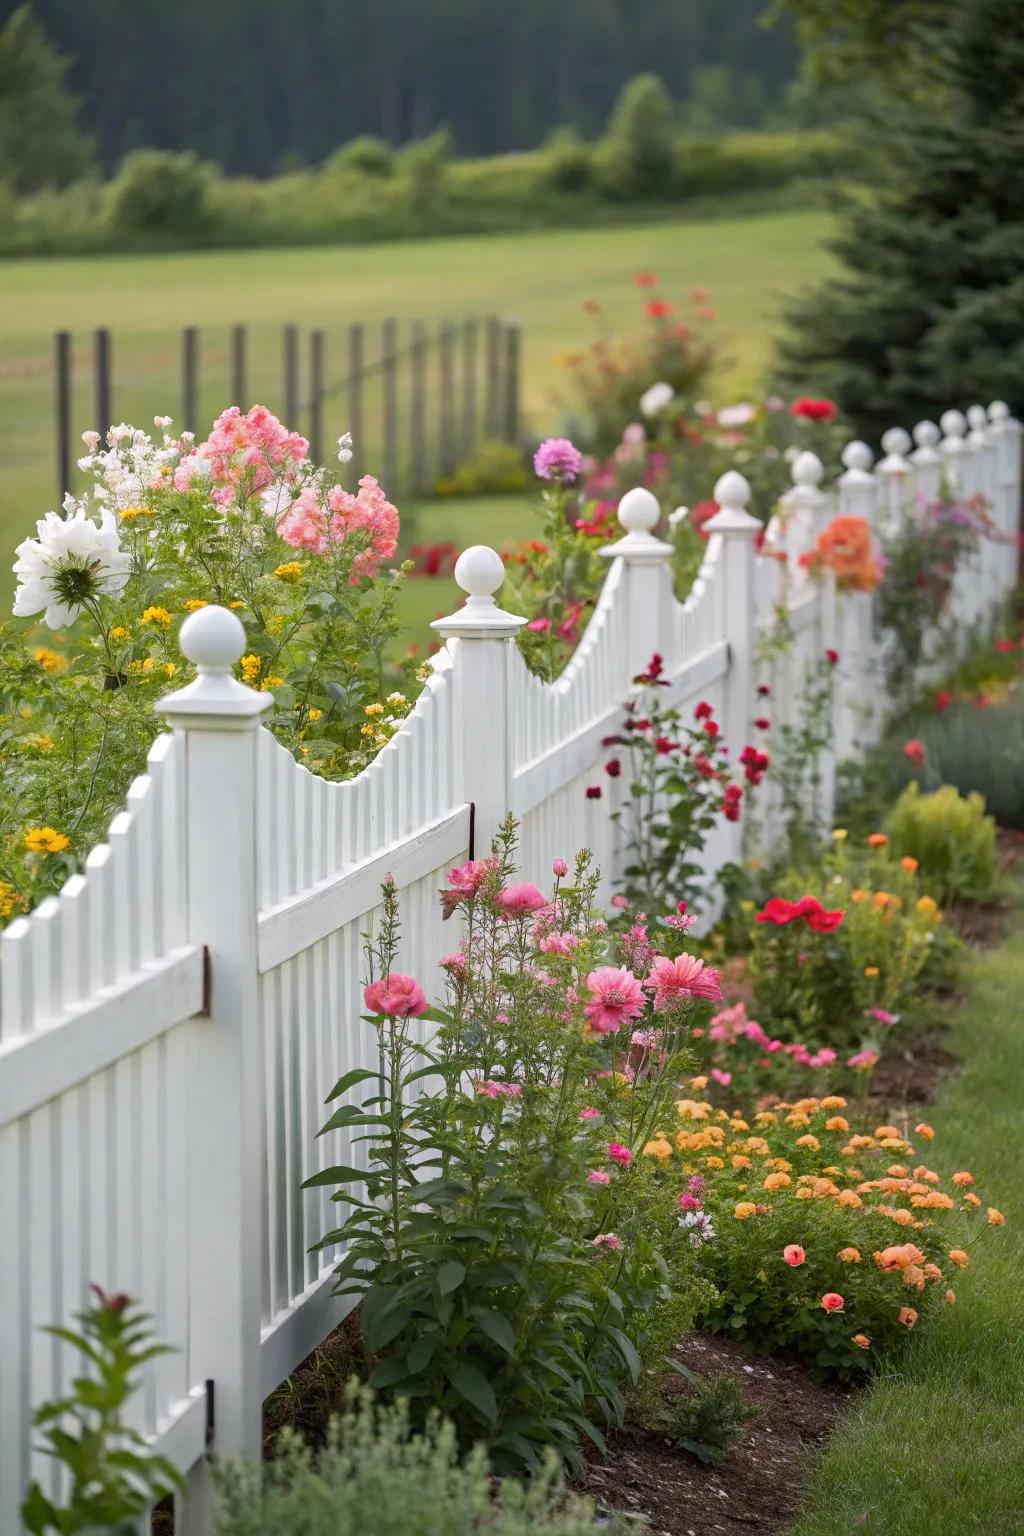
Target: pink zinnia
(590, 1113)
(557, 459)
(671, 981)
(599, 1176)
(400, 997)
(724, 1078)
(864, 1060)
(619, 1154)
(469, 877)
(690, 1203)
(517, 900)
(617, 998)
(607, 1240)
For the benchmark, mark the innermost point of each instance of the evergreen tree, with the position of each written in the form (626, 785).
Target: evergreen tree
(928, 306)
(40, 141)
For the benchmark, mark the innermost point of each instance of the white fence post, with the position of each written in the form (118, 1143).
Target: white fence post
(219, 718)
(648, 578)
(805, 509)
(927, 461)
(736, 528)
(1006, 433)
(481, 638)
(894, 471)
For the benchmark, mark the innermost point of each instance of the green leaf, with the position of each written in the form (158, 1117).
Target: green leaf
(497, 1328)
(350, 1114)
(394, 1369)
(474, 1387)
(450, 1276)
(342, 1174)
(423, 1351)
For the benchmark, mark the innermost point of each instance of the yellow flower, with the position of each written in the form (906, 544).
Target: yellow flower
(926, 905)
(237, 602)
(131, 513)
(744, 1209)
(45, 840)
(314, 714)
(119, 632)
(193, 604)
(40, 743)
(290, 571)
(777, 1181)
(871, 970)
(808, 1141)
(170, 668)
(839, 834)
(156, 616)
(374, 709)
(366, 730)
(397, 698)
(714, 1162)
(698, 1084)
(659, 1147)
(49, 660)
(250, 665)
(9, 899)
(271, 682)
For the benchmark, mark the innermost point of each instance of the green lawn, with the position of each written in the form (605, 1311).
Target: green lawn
(938, 1450)
(540, 279)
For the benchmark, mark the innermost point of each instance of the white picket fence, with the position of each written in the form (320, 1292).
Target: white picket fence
(172, 1022)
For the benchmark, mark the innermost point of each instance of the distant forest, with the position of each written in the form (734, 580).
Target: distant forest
(265, 85)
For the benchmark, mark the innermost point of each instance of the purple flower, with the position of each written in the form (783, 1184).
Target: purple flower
(557, 459)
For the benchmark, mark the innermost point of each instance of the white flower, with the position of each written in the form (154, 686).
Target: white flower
(91, 440)
(162, 421)
(656, 399)
(737, 415)
(345, 448)
(275, 499)
(71, 560)
(678, 516)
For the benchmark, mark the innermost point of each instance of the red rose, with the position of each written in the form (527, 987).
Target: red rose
(814, 410)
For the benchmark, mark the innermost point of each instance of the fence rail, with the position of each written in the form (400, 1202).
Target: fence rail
(171, 1023)
(442, 387)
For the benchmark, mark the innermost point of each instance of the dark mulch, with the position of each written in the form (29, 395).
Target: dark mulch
(912, 1071)
(757, 1486)
(314, 1390)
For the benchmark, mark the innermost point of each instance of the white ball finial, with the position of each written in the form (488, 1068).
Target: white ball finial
(858, 456)
(213, 638)
(926, 434)
(807, 470)
(977, 417)
(732, 491)
(953, 423)
(639, 510)
(480, 570)
(896, 441)
(999, 411)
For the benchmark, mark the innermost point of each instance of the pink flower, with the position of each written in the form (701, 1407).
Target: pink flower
(617, 998)
(645, 1039)
(823, 1058)
(539, 626)
(590, 1113)
(832, 1301)
(864, 1060)
(882, 1016)
(725, 1078)
(367, 518)
(558, 943)
(671, 981)
(400, 997)
(599, 1176)
(690, 1203)
(619, 1154)
(607, 1240)
(560, 869)
(557, 459)
(793, 1255)
(254, 450)
(517, 900)
(914, 751)
(469, 877)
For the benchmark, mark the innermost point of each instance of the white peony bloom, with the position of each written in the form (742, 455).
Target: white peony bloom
(656, 399)
(72, 559)
(345, 448)
(737, 415)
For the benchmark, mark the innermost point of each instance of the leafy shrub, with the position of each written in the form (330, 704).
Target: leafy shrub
(367, 155)
(710, 1420)
(113, 1474)
(424, 165)
(819, 1239)
(951, 837)
(509, 1243)
(568, 164)
(495, 469)
(636, 158)
(979, 751)
(160, 191)
(375, 1477)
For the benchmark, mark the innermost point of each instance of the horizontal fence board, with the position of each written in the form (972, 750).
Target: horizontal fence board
(112, 1024)
(293, 926)
(300, 1329)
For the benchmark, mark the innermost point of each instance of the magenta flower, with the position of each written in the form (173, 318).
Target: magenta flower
(697, 1184)
(518, 900)
(599, 1176)
(469, 877)
(607, 1240)
(399, 997)
(690, 1203)
(617, 998)
(673, 981)
(724, 1078)
(557, 459)
(619, 1154)
(560, 869)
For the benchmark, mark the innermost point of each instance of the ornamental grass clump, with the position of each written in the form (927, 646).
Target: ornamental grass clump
(514, 1253)
(820, 1239)
(168, 525)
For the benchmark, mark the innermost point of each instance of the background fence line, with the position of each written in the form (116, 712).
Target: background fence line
(444, 388)
(170, 1023)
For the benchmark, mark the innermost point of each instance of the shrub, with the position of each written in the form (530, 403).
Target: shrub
(710, 1420)
(567, 164)
(495, 469)
(375, 1477)
(820, 1240)
(979, 750)
(636, 157)
(424, 166)
(367, 155)
(510, 1242)
(951, 837)
(161, 192)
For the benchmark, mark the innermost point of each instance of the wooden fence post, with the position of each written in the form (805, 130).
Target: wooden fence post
(291, 377)
(102, 364)
(418, 410)
(467, 435)
(481, 638)
(511, 416)
(446, 397)
(238, 338)
(189, 371)
(316, 395)
(219, 719)
(62, 379)
(355, 396)
(493, 408)
(389, 403)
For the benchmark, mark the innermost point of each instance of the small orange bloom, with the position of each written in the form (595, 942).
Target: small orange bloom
(908, 1317)
(996, 1218)
(861, 1340)
(914, 1275)
(959, 1258)
(963, 1178)
(924, 1130)
(849, 1255)
(744, 1210)
(877, 840)
(837, 1123)
(909, 864)
(950, 1297)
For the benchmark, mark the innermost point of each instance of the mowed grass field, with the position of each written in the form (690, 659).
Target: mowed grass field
(538, 279)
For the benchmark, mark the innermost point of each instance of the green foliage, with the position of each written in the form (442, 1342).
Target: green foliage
(424, 166)
(506, 1276)
(636, 158)
(566, 161)
(951, 837)
(366, 155)
(494, 469)
(375, 1477)
(929, 302)
(710, 1420)
(114, 1476)
(799, 755)
(41, 144)
(979, 751)
(159, 191)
